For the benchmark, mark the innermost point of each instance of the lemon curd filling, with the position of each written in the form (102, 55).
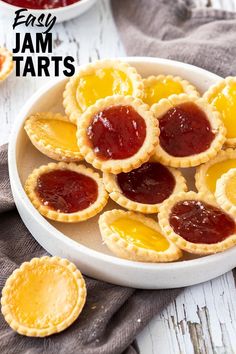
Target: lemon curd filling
(57, 133)
(225, 102)
(44, 296)
(230, 190)
(215, 171)
(139, 234)
(161, 89)
(104, 82)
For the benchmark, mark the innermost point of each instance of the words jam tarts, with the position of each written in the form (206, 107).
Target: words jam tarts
(6, 63)
(208, 174)
(43, 296)
(117, 134)
(191, 131)
(66, 192)
(54, 135)
(196, 224)
(163, 86)
(136, 237)
(223, 97)
(145, 188)
(226, 192)
(99, 80)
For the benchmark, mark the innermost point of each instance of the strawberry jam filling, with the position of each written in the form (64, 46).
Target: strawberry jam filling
(116, 133)
(185, 130)
(149, 184)
(2, 59)
(199, 222)
(66, 191)
(41, 4)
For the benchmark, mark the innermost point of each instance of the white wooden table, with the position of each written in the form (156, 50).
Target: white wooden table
(203, 318)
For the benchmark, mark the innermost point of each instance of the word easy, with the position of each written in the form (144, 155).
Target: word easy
(42, 20)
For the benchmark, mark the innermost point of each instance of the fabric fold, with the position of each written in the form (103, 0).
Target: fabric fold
(172, 29)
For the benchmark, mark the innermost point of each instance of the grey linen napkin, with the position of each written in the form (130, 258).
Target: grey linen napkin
(172, 29)
(112, 316)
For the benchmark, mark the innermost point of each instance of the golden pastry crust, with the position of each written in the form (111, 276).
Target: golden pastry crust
(78, 216)
(221, 195)
(127, 250)
(231, 142)
(72, 108)
(201, 171)
(10, 291)
(7, 66)
(116, 194)
(196, 248)
(123, 165)
(217, 127)
(188, 88)
(56, 153)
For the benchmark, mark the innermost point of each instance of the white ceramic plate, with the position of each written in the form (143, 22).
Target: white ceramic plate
(62, 13)
(81, 242)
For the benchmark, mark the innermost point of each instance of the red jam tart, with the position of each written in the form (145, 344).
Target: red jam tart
(117, 134)
(6, 63)
(145, 188)
(185, 130)
(66, 192)
(196, 223)
(190, 131)
(41, 4)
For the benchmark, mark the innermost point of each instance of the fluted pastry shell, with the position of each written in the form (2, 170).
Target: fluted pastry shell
(124, 249)
(195, 248)
(45, 145)
(48, 212)
(213, 116)
(116, 194)
(43, 296)
(119, 165)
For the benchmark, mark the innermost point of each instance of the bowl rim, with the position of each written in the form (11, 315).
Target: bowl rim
(55, 11)
(105, 258)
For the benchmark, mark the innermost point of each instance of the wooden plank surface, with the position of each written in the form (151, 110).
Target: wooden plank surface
(203, 318)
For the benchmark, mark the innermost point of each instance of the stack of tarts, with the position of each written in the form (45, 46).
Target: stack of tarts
(133, 139)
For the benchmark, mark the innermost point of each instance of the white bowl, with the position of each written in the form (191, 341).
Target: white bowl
(62, 13)
(81, 242)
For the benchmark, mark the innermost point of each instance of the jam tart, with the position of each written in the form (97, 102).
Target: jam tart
(6, 63)
(196, 224)
(223, 97)
(207, 174)
(136, 237)
(66, 192)
(43, 296)
(117, 134)
(54, 135)
(145, 188)
(226, 192)
(163, 86)
(98, 80)
(191, 131)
